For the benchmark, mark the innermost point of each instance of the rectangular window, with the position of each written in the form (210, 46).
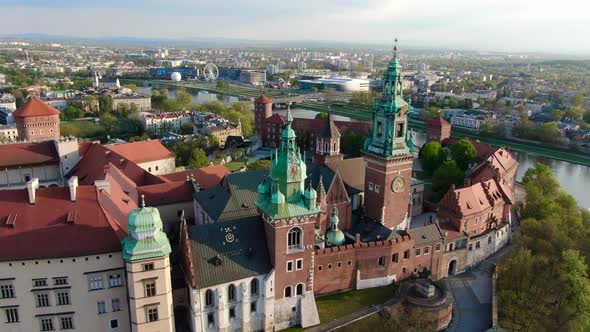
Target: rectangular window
(477, 245)
(299, 264)
(381, 261)
(47, 324)
(95, 283)
(399, 130)
(60, 281)
(42, 300)
(371, 186)
(63, 298)
(232, 313)
(6, 290)
(407, 254)
(210, 319)
(66, 323)
(489, 239)
(418, 252)
(319, 267)
(114, 323)
(152, 314)
(395, 258)
(253, 307)
(116, 305)
(437, 247)
(115, 280)
(101, 307)
(39, 282)
(148, 266)
(289, 266)
(349, 263)
(11, 315)
(470, 247)
(377, 188)
(150, 288)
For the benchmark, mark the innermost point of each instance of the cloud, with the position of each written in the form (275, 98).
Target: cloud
(489, 24)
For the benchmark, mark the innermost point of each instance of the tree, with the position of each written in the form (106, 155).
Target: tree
(3, 138)
(198, 159)
(222, 85)
(321, 115)
(486, 129)
(463, 153)
(183, 99)
(258, 165)
(574, 113)
(548, 132)
(431, 156)
(557, 115)
(105, 104)
(109, 122)
(447, 174)
(71, 112)
(577, 100)
(186, 128)
(313, 89)
(213, 142)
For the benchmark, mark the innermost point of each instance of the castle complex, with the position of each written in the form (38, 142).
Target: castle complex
(120, 247)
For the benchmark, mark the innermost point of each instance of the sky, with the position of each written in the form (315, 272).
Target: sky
(502, 25)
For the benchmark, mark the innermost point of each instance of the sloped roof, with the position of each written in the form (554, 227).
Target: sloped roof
(277, 118)
(330, 129)
(207, 177)
(439, 122)
(360, 128)
(426, 234)
(477, 197)
(351, 170)
(22, 154)
(34, 107)
(234, 198)
(226, 251)
(40, 230)
(167, 193)
(142, 151)
(262, 99)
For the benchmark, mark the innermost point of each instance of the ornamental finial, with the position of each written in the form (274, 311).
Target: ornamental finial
(142, 200)
(395, 47)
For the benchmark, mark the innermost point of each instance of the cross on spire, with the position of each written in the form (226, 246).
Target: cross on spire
(142, 200)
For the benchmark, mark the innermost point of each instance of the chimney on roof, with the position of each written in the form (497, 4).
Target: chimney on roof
(103, 185)
(32, 186)
(73, 184)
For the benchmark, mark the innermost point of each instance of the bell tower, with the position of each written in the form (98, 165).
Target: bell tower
(388, 153)
(289, 212)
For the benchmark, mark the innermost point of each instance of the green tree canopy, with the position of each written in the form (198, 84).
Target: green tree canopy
(431, 156)
(109, 122)
(463, 153)
(258, 165)
(186, 128)
(321, 115)
(447, 174)
(198, 159)
(183, 99)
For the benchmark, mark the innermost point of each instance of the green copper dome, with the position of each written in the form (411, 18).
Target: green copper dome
(335, 236)
(278, 197)
(310, 193)
(146, 239)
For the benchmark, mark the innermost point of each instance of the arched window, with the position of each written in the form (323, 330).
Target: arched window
(231, 293)
(254, 287)
(334, 148)
(299, 289)
(326, 147)
(295, 238)
(209, 298)
(288, 291)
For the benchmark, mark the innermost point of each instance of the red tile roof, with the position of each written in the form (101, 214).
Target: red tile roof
(207, 177)
(34, 107)
(21, 154)
(439, 122)
(167, 193)
(143, 151)
(277, 118)
(316, 125)
(40, 230)
(263, 100)
(95, 161)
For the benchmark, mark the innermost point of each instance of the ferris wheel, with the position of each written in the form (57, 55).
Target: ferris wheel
(210, 72)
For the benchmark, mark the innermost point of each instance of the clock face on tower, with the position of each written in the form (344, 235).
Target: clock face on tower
(398, 184)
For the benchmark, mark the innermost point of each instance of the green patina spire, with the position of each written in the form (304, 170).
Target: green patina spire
(283, 195)
(388, 137)
(146, 239)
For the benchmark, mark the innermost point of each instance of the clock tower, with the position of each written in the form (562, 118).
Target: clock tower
(388, 153)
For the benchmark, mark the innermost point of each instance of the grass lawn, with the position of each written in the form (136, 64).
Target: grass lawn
(372, 323)
(236, 165)
(337, 305)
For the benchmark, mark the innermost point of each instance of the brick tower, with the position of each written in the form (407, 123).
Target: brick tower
(36, 121)
(388, 154)
(327, 145)
(262, 111)
(289, 213)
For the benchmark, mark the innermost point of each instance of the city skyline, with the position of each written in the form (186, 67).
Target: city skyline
(503, 26)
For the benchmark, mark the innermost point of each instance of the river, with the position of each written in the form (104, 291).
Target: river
(574, 178)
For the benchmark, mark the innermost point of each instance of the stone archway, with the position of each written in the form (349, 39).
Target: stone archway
(452, 267)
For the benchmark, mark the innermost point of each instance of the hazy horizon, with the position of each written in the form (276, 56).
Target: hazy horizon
(501, 25)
